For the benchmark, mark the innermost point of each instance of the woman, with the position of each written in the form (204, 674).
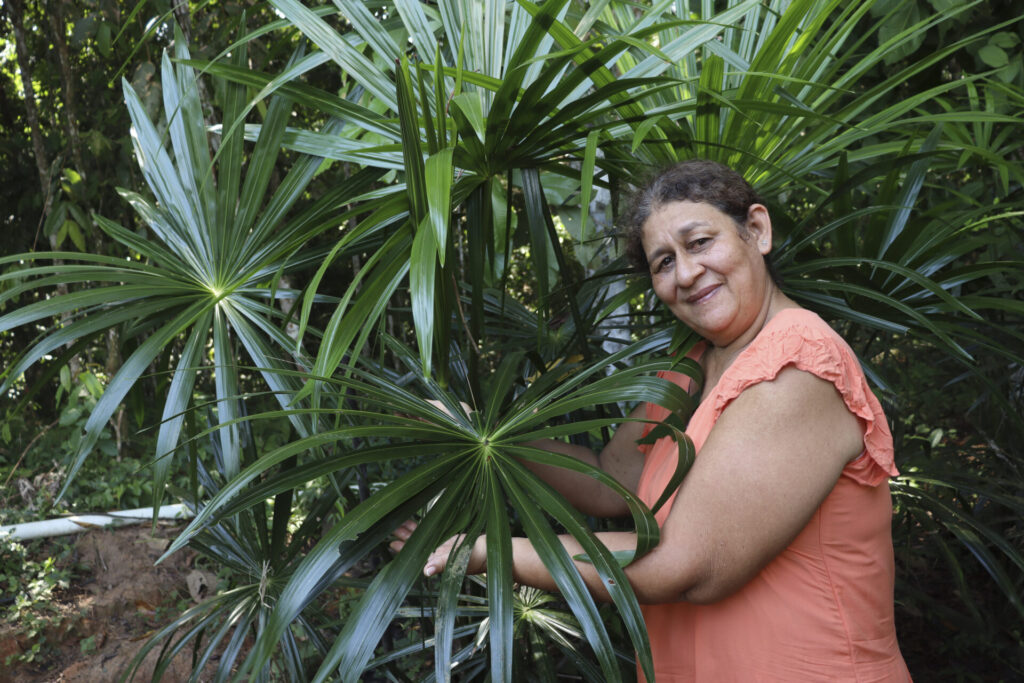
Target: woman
(775, 561)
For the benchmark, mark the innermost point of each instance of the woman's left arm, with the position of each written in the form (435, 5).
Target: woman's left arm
(772, 457)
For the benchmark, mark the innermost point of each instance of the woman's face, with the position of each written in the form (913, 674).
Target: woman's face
(709, 276)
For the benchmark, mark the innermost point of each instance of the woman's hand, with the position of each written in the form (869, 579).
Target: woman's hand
(439, 558)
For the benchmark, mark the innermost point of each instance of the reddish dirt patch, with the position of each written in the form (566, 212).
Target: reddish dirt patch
(119, 601)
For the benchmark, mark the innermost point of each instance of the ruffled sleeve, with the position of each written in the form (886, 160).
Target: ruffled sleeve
(799, 338)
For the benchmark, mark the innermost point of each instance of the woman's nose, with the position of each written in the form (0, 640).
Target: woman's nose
(687, 271)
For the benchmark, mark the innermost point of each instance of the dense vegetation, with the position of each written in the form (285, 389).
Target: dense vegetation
(324, 216)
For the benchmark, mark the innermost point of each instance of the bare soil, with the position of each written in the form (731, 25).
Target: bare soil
(118, 598)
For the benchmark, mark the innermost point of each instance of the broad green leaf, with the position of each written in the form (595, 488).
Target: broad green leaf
(423, 263)
(994, 56)
(438, 172)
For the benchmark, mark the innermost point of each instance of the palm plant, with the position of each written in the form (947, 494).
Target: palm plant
(499, 112)
(467, 466)
(258, 550)
(465, 136)
(207, 274)
(788, 112)
(539, 623)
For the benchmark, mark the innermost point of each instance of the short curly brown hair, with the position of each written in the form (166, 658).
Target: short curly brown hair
(696, 180)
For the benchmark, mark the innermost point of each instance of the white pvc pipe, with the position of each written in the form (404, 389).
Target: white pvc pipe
(75, 524)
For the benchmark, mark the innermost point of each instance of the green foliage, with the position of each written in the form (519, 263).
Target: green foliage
(34, 477)
(27, 591)
(213, 276)
(256, 551)
(406, 208)
(546, 637)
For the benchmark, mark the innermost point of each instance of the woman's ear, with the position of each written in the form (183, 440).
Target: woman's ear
(759, 227)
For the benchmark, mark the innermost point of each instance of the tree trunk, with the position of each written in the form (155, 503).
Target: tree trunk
(56, 17)
(184, 19)
(16, 12)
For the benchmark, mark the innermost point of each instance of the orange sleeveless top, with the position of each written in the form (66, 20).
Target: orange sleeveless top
(822, 610)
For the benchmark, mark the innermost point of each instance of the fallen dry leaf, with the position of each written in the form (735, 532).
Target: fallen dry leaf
(201, 584)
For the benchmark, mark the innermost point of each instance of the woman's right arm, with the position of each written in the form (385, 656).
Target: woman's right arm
(620, 458)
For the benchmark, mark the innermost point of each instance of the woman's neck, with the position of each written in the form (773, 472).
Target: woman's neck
(717, 358)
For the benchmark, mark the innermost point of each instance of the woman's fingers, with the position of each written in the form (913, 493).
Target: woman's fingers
(439, 558)
(435, 564)
(402, 534)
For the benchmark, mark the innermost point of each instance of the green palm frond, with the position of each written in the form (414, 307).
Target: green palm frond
(210, 275)
(463, 154)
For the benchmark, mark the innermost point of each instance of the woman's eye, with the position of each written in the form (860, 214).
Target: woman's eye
(663, 265)
(699, 242)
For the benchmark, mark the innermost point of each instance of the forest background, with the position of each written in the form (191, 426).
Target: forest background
(239, 290)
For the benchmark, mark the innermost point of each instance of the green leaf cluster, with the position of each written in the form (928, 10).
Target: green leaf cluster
(393, 221)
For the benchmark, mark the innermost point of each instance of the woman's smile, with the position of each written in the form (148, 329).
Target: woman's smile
(702, 295)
